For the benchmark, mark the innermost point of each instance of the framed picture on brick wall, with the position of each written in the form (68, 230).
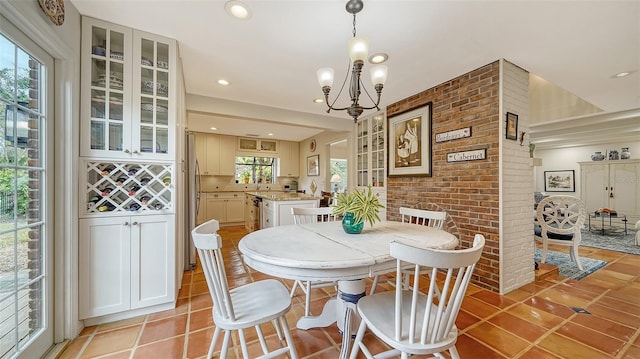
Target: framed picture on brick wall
(409, 143)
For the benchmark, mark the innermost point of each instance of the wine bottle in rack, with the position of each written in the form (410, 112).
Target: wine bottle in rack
(133, 170)
(92, 202)
(106, 191)
(145, 181)
(134, 207)
(134, 188)
(106, 207)
(120, 181)
(144, 200)
(107, 169)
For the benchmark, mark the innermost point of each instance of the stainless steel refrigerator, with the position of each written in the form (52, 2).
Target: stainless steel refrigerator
(194, 189)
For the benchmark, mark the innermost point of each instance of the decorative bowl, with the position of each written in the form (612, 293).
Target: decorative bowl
(117, 55)
(98, 50)
(598, 156)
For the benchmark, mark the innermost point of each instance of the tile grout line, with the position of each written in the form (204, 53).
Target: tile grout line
(187, 332)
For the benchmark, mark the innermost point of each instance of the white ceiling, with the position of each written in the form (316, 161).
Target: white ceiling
(271, 59)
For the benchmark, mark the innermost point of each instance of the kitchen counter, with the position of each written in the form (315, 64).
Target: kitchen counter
(282, 196)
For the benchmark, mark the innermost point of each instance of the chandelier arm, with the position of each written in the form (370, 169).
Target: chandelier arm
(378, 89)
(326, 92)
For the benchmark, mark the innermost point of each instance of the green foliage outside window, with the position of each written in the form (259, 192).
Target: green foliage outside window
(255, 169)
(12, 90)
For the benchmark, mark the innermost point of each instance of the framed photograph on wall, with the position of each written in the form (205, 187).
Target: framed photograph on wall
(409, 143)
(559, 181)
(512, 126)
(313, 165)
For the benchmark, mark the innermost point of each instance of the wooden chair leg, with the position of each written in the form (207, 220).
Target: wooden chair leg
(243, 344)
(225, 344)
(216, 333)
(307, 300)
(287, 334)
(373, 285)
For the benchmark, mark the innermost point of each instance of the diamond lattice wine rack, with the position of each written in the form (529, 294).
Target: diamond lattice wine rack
(133, 188)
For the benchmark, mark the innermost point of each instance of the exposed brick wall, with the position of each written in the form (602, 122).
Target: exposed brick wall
(468, 191)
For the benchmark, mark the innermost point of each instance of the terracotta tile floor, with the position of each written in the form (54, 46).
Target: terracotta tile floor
(533, 322)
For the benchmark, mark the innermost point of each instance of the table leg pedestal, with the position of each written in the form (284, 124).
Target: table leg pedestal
(325, 319)
(348, 320)
(340, 310)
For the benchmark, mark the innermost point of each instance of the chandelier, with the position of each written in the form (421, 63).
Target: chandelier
(358, 52)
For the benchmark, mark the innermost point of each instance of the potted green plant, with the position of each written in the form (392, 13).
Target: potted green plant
(357, 207)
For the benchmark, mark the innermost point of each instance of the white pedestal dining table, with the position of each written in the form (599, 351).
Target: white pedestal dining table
(324, 252)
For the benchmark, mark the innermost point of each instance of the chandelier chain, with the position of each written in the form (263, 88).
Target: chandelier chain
(354, 25)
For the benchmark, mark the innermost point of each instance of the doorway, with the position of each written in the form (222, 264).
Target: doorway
(339, 166)
(26, 181)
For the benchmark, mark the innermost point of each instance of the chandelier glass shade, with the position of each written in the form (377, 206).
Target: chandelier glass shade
(358, 47)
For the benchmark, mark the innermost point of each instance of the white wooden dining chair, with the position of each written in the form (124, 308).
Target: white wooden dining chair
(415, 322)
(243, 307)
(559, 221)
(434, 219)
(310, 215)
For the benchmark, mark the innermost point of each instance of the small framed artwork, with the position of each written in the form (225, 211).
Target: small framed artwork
(313, 165)
(559, 181)
(409, 143)
(512, 126)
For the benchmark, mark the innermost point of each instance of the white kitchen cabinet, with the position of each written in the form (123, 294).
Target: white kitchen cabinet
(227, 208)
(289, 159)
(371, 156)
(128, 82)
(611, 184)
(215, 154)
(251, 213)
(125, 263)
(256, 145)
(278, 213)
(227, 153)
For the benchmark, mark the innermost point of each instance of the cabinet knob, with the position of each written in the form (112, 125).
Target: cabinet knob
(134, 223)
(135, 152)
(127, 151)
(125, 224)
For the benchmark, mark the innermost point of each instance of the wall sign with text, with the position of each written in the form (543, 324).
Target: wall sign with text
(467, 155)
(453, 135)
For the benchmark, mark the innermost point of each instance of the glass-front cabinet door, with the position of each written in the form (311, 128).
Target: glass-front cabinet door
(106, 58)
(154, 82)
(362, 152)
(370, 151)
(128, 91)
(371, 160)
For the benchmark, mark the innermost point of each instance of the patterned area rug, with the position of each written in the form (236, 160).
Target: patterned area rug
(612, 240)
(567, 268)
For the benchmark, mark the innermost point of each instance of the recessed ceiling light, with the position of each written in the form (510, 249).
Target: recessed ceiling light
(269, 134)
(237, 9)
(223, 82)
(214, 128)
(622, 74)
(378, 58)
(318, 100)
